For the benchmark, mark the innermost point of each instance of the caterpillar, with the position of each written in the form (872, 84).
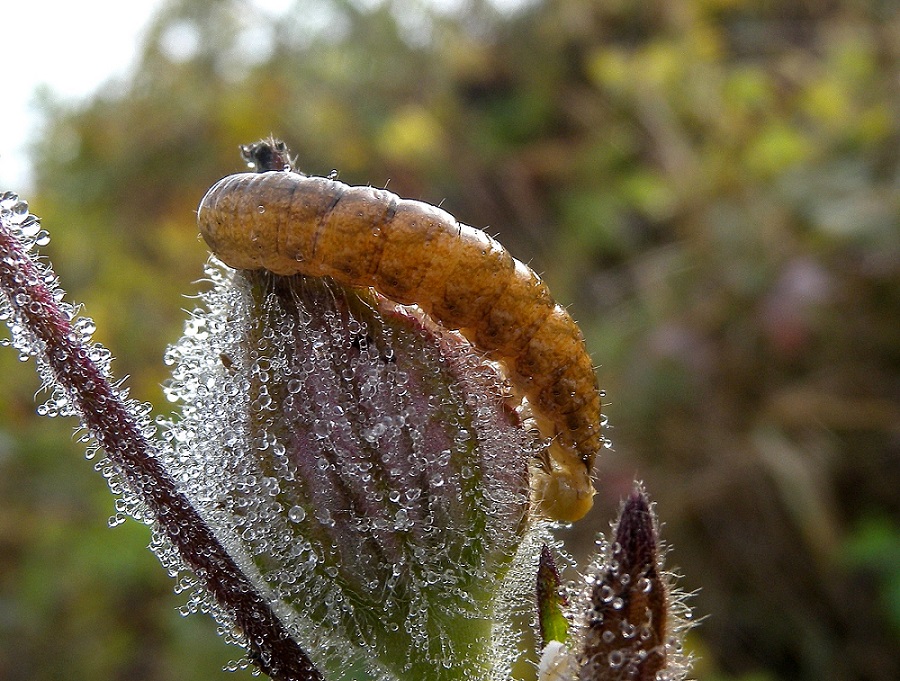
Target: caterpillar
(414, 253)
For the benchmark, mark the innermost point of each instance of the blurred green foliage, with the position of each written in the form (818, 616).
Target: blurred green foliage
(711, 185)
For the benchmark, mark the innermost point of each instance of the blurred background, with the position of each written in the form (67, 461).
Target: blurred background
(711, 186)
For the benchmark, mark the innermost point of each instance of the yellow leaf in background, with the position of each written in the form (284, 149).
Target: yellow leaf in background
(411, 133)
(777, 148)
(827, 102)
(609, 67)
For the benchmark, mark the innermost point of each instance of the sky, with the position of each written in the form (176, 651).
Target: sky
(72, 48)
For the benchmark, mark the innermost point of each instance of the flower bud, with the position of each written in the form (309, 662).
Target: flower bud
(362, 464)
(630, 622)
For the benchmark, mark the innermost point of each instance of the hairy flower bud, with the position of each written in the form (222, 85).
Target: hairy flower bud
(363, 466)
(631, 621)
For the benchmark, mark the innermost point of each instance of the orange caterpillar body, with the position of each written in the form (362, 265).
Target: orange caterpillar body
(414, 253)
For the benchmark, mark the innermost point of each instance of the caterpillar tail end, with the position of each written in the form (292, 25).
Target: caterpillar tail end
(566, 494)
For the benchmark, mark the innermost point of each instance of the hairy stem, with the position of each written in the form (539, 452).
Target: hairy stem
(119, 432)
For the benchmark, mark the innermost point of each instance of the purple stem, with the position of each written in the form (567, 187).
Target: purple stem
(103, 412)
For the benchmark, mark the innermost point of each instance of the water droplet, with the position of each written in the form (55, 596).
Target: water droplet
(606, 593)
(616, 659)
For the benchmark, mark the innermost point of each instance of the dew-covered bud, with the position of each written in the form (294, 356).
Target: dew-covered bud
(630, 622)
(362, 465)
